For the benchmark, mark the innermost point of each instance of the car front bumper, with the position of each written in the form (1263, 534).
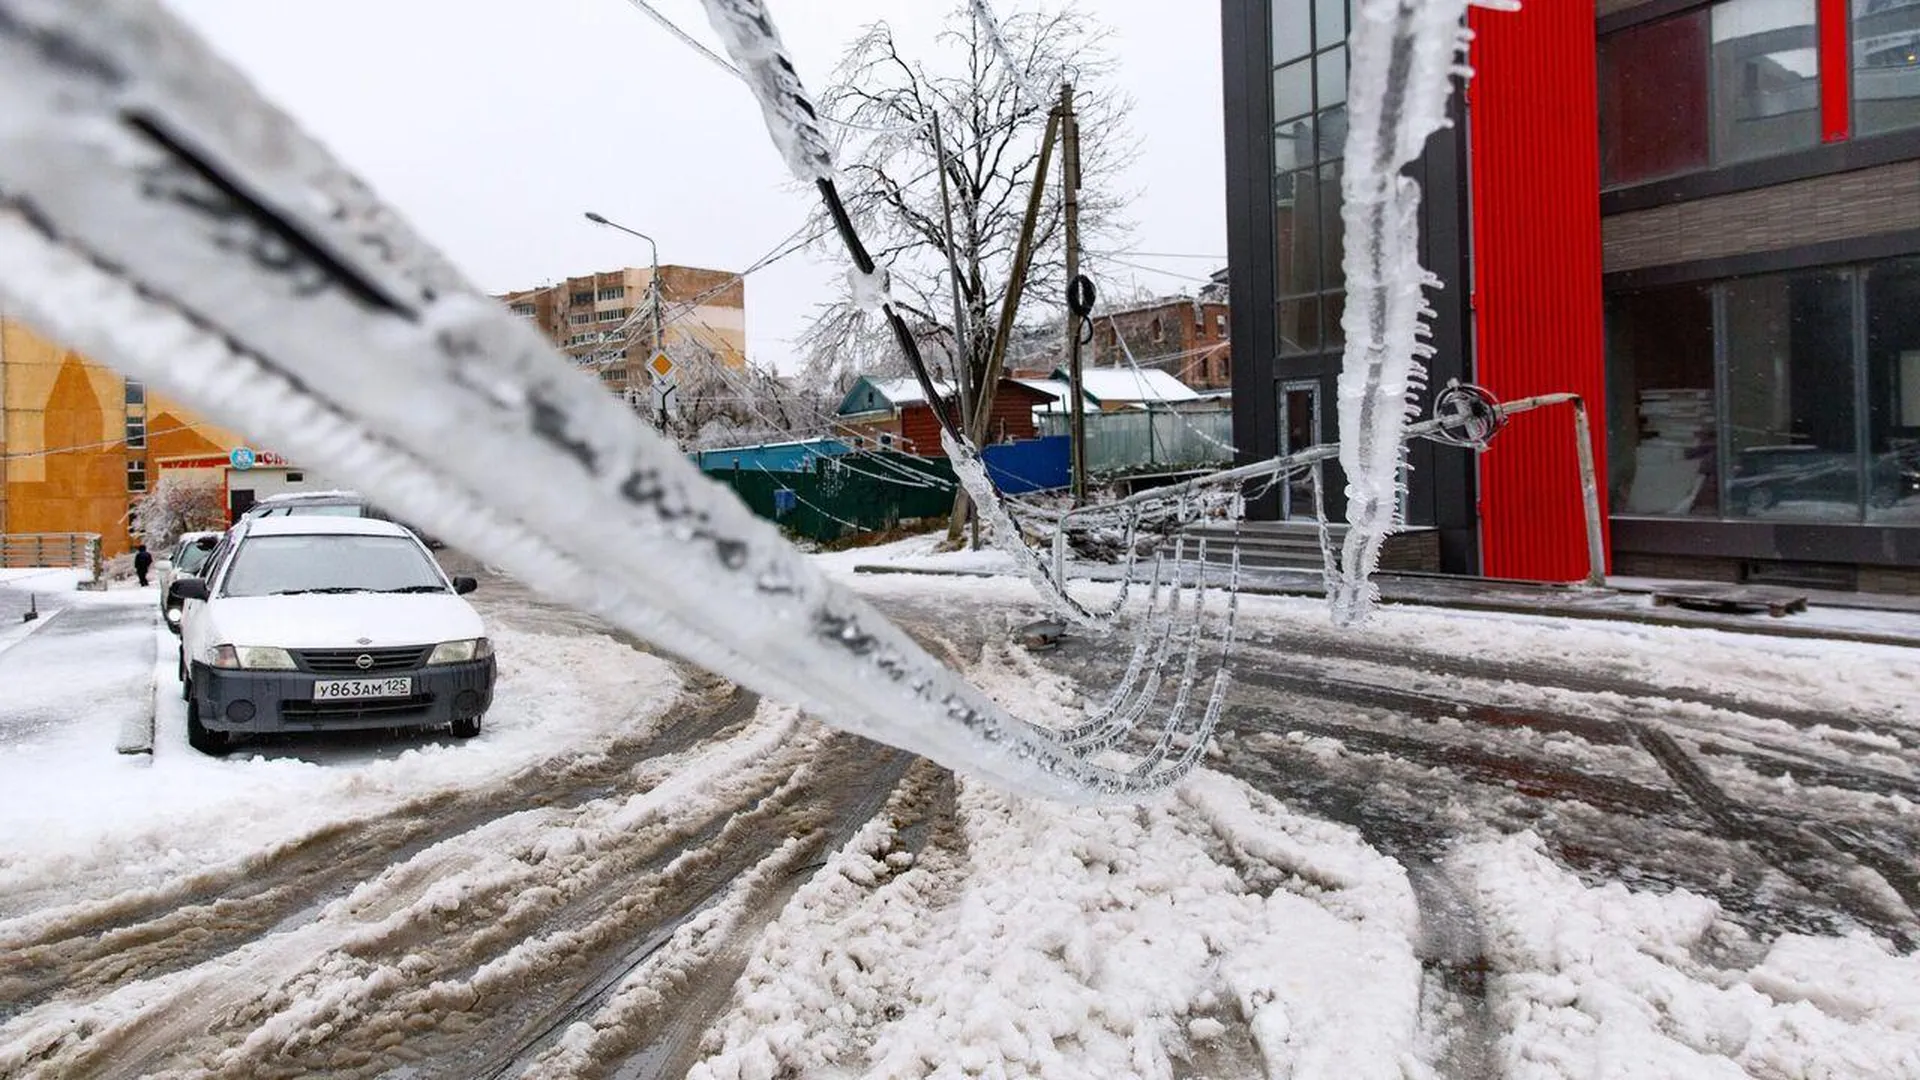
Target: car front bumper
(277, 701)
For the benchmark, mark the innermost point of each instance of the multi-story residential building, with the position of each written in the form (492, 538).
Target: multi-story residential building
(605, 321)
(1701, 215)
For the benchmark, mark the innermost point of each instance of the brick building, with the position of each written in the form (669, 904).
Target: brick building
(604, 320)
(895, 414)
(1702, 215)
(1182, 336)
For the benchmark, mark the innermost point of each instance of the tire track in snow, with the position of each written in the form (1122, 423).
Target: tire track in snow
(107, 944)
(665, 1041)
(439, 990)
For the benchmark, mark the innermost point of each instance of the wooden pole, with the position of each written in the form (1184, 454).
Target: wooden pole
(978, 423)
(1070, 180)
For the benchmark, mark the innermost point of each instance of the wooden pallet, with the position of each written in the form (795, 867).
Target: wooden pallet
(1732, 599)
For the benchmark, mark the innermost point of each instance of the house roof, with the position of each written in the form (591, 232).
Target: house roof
(884, 395)
(880, 395)
(1126, 384)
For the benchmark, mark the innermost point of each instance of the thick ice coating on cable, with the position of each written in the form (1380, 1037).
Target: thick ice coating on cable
(751, 40)
(1403, 55)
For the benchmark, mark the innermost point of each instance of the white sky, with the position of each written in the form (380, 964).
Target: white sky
(494, 124)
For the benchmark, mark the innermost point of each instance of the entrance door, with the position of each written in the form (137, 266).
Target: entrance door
(239, 501)
(1299, 429)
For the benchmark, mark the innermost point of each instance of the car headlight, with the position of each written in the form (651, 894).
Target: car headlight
(460, 652)
(173, 615)
(253, 658)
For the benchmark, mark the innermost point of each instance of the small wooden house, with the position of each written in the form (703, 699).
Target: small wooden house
(895, 414)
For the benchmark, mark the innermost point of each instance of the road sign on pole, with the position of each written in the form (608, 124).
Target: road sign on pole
(662, 367)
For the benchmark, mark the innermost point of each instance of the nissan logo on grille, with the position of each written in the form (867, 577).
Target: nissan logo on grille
(363, 661)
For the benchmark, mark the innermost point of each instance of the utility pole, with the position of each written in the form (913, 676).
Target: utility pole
(1070, 180)
(1016, 281)
(962, 332)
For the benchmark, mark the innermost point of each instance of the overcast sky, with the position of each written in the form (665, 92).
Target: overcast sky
(493, 124)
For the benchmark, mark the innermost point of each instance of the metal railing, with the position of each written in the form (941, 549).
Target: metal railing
(80, 551)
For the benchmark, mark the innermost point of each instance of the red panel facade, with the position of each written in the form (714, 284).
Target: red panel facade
(1536, 270)
(1836, 62)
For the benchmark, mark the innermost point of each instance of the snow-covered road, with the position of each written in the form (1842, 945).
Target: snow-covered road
(1449, 845)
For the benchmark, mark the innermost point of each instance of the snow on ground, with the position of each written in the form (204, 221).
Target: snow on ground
(1843, 676)
(1213, 931)
(75, 812)
(1608, 982)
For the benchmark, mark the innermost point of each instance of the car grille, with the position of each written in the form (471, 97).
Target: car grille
(316, 711)
(347, 661)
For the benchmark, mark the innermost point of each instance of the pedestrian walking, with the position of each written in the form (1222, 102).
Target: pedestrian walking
(142, 562)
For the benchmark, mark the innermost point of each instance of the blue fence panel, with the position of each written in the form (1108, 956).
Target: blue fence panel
(1042, 464)
(773, 457)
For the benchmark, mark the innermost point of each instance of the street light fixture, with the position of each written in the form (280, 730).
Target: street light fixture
(653, 291)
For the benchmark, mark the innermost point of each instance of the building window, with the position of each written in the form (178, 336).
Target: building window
(1893, 391)
(1766, 78)
(613, 315)
(1220, 325)
(1653, 99)
(1310, 93)
(136, 392)
(1790, 418)
(1661, 454)
(136, 433)
(612, 292)
(1157, 332)
(1743, 399)
(524, 310)
(1886, 65)
(580, 318)
(584, 297)
(136, 475)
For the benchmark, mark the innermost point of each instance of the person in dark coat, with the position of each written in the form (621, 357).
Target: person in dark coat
(142, 562)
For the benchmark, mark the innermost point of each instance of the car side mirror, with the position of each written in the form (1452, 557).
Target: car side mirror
(192, 588)
(464, 585)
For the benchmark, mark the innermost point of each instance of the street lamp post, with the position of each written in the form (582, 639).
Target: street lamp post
(653, 292)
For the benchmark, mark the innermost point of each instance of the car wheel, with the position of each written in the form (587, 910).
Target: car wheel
(211, 743)
(466, 728)
(1759, 500)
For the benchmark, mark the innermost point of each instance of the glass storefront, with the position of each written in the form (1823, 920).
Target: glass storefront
(1893, 392)
(1786, 397)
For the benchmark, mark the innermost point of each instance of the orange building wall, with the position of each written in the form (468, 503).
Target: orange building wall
(63, 441)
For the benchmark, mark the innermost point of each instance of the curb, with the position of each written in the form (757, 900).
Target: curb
(136, 732)
(1667, 618)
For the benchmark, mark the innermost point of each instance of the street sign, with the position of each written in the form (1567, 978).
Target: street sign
(662, 367)
(666, 398)
(242, 458)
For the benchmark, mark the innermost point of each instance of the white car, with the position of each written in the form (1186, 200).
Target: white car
(321, 623)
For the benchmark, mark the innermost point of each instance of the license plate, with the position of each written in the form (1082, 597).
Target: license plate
(350, 689)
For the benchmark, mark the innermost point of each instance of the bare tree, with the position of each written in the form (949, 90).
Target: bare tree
(179, 503)
(992, 120)
(722, 400)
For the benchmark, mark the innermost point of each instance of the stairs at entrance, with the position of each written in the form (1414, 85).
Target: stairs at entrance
(1295, 545)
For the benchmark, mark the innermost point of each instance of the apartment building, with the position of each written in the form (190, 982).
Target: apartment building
(607, 322)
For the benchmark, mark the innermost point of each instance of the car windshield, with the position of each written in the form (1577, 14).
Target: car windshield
(191, 559)
(330, 563)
